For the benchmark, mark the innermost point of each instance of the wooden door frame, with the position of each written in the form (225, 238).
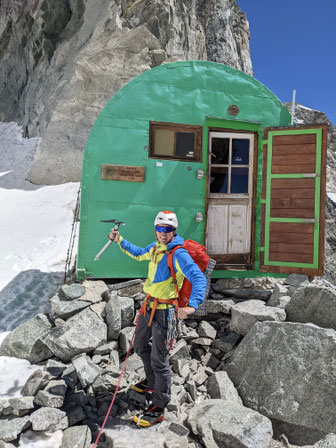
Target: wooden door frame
(227, 266)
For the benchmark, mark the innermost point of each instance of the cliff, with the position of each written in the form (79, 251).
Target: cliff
(62, 60)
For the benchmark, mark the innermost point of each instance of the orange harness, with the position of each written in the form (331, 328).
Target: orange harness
(156, 301)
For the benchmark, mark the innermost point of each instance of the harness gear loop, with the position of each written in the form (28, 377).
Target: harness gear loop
(156, 301)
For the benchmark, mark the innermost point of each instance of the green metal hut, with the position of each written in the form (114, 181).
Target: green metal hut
(215, 146)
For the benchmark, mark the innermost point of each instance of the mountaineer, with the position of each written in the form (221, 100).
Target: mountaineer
(159, 312)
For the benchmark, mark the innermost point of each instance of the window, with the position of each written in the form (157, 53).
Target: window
(175, 141)
(230, 163)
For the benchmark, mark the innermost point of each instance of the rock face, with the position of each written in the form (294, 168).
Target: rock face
(287, 372)
(62, 60)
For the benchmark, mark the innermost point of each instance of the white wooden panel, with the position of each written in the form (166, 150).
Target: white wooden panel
(217, 229)
(237, 229)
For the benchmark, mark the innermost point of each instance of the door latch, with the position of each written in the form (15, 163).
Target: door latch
(199, 216)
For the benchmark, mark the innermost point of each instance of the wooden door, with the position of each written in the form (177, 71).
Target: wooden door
(229, 197)
(293, 200)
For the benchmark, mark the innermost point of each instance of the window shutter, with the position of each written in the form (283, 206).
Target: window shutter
(293, 200)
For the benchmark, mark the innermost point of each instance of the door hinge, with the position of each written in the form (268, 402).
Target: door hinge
(311, 175)
(261, 249)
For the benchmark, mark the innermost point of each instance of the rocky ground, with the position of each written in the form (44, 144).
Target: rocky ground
(256, 372)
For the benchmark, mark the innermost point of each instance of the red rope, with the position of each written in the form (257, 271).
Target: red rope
(122, 372)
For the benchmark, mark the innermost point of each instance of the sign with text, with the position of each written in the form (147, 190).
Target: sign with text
(123, 172)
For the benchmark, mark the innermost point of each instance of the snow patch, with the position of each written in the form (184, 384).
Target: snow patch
(331, 195)
(36, 223)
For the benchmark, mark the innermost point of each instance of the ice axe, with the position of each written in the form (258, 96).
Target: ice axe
(117, 224)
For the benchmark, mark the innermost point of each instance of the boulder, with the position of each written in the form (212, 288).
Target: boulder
(64, 309)
(57, 387)
(178, 429)
(21, 405)
(280, 296)
(48, 400)
(125, 339)
(226, 342)
(75, 415)
(206, 330)
(180, 351)
(70, 376)
(220, 386)
(99, 309)
(113, 317)
(328, 442)
(77, 437)
(287, 372)
(296, 280)
(6, 445)
(126, 311)
(246, 314)
(86, 370)
(128, 289)
(11, 428)
(106, 348)
(49, 419)
(37, 381)
(108, 380)
(70, 292)
(24, 341)
(55, 368)
(221, 306)
(316, 305)
(220, 423)
(82, 333)
(95, 291)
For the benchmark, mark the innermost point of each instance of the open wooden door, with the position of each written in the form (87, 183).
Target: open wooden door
(293, 200)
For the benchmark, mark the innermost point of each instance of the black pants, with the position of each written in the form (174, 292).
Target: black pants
(155, 358)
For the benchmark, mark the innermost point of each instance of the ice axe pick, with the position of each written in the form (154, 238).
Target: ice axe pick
(117, 224)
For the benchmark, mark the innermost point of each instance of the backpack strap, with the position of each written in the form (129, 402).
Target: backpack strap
(171, 267)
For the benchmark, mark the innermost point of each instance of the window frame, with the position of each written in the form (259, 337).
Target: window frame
(231, 136)
(176, 127)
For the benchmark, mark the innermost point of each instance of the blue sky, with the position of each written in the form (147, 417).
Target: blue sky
(293, 46)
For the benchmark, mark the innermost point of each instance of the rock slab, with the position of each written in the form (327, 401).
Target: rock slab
(287, 372)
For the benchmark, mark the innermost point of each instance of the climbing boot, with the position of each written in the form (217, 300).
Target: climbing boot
(149, 417)
(142, 387)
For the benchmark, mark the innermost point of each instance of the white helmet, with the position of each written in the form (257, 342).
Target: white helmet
(166, 217)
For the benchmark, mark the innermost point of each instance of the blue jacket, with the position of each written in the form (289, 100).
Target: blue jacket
(159, 282)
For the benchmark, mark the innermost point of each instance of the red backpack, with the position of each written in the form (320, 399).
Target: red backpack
(199, 256)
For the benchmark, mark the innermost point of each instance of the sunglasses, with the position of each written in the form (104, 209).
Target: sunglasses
(164, 229)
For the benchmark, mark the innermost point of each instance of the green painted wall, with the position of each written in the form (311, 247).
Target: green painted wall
(196, 92)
